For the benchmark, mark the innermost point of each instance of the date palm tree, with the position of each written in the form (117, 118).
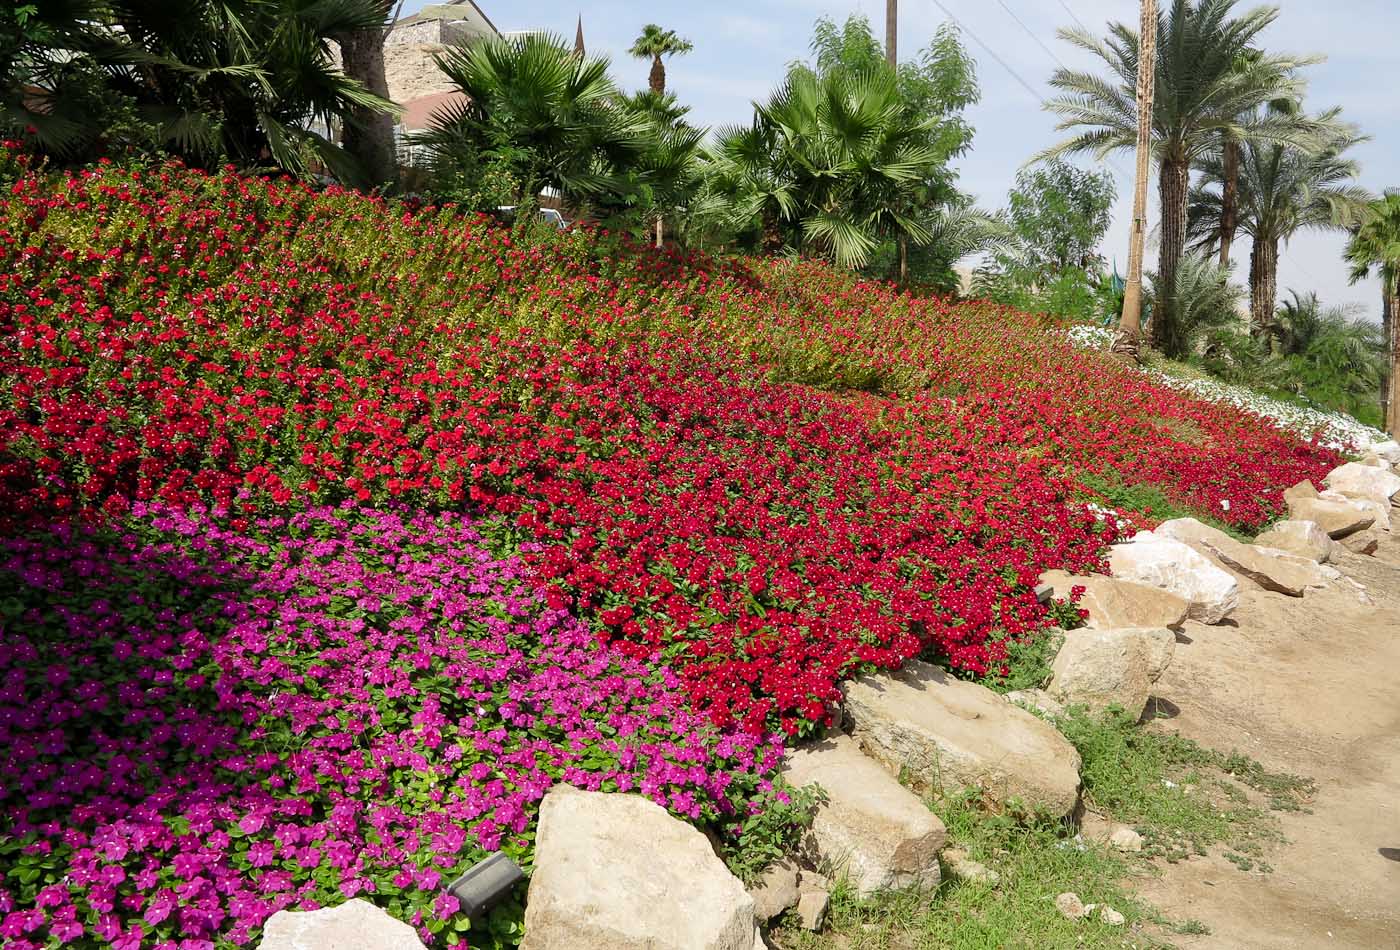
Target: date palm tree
(655, 43)
(1203, 86)
(1280, 190)
(1375, 247)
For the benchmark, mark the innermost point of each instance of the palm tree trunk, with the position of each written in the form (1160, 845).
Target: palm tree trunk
(1390, 397)
(657, 79)
(903, 259)
(1263, 284)
(1229, 200)
(1130, 322)
(369, 134)
(1172, 187)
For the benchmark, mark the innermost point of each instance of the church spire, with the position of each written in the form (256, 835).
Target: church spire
(578, 37)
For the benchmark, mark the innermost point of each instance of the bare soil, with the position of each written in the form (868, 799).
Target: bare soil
(1309, 686)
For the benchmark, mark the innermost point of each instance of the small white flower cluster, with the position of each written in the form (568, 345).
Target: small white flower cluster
(1336, 430)
(1090, 338)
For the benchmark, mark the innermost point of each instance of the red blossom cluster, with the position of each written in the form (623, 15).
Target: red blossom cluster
(768, 474)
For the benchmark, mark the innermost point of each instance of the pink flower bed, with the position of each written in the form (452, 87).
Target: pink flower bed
(205, 725)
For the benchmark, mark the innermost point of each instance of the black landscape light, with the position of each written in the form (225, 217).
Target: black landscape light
(485, 884)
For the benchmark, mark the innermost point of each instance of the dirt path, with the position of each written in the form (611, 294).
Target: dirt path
(1310, 687)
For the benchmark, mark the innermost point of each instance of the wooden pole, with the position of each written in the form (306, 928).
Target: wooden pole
(892, 32)
(1130, 324)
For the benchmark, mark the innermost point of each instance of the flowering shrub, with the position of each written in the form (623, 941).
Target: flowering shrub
(205, 725)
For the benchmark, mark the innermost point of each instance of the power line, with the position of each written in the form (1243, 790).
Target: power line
(1027, 30)
(1038, 97)
(1073, 17)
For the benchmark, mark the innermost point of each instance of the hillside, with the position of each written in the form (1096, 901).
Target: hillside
(328, 434)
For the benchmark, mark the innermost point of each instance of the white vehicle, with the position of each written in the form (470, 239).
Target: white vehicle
(552, 215)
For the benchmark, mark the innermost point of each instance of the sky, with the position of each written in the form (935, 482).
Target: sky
(742, 50)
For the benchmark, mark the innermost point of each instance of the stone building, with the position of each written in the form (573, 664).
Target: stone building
(415, 82)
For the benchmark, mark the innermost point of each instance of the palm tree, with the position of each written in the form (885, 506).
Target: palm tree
(210, 80)
(832, 159)
(530, 104)
(653, 44)
(369, 133)
(1281, 190)
(1376, 246)
(1326, 354)
(1203, 87)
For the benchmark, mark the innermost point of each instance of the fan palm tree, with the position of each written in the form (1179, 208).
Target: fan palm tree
(211, 80)
(1375, 246)
(1281, 190)
(1204, 86)
(653, 44)
(833, 160)
(533, 106)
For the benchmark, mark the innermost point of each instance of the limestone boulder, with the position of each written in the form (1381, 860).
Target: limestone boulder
(354, 925)
(1158, 561)
(1338, 518)
(1303, 538)
(1364, 481)
(1115, 602)
(952, 734)
(775, 891)
(1362, 542)
(1103, 668)
(1284, 575)
(1379, 511)
(616, 872)
(1300, 492)
(1388, 450)
(870, 828)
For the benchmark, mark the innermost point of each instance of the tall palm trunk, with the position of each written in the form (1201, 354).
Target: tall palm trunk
(1172, 187)
(657, 79)
(1263, 283)
(1229, 199)
(1126, 341)
(369, 134)
(1390, 387)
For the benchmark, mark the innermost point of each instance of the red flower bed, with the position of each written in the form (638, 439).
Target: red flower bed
(651, 421)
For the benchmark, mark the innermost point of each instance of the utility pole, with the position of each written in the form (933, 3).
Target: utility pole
(1130, 324)
(892, 32)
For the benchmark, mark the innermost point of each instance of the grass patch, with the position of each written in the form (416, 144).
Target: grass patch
(1036, 863)
(1183, 798)
(1149, 500)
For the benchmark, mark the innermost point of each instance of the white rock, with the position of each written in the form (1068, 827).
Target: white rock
(775, 891)
(961, 867)
(1111, 917)
(1284, 575)
(1364, 481)
(1103, 668)
(1303, 538)
(1116, 602)
(1338, 517)
(1388, 450)
(871, 828)
(354, 925)
(1379, 511)
(811, 909)
(1162, 562)
(1126, 839)
(1070, 906)
(1037, 699)
(952, 734)
(616, 872)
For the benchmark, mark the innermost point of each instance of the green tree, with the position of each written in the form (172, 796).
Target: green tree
(1061, 213)
(1326, 355)
(250, 81)
(654, 43)
(539, 116)
(1281, 190)
(1205, 87)
(1375, 247)
(829, 162)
